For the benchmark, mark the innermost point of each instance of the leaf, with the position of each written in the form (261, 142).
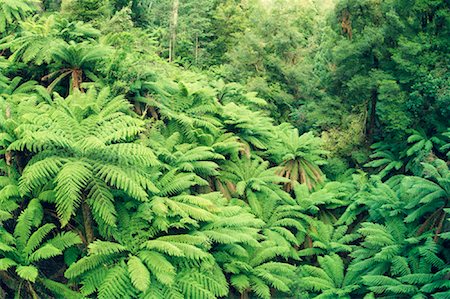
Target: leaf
(36, 238)
(6, 263)
(29, 273)
(71, 180)
(139, 274)
(45, 252)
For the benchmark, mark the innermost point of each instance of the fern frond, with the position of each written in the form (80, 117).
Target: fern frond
(29, 273)
(116, 284)
(37, 237)
(139, 274)
(70, 181)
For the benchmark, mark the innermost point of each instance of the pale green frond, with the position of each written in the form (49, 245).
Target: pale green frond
(71, 180)
(139, 274)
(29, 273)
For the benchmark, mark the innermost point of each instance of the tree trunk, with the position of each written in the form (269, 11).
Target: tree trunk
(88, 228)
(373, 104)
(173, 30)
(196, 49)
(77, 79)
(373, 111)
(8, 155)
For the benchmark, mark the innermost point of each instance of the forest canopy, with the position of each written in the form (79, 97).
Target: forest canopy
(224, 149)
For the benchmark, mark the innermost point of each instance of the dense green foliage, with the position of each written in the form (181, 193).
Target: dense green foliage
(286, 149)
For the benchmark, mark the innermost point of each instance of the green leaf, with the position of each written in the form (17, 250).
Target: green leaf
(6, 263)
(29, 273)
(139, 274)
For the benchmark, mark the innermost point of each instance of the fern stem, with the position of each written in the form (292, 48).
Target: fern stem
(32, 291)
(244, 295)
(432, 218)
(440, 225)
(88, 229)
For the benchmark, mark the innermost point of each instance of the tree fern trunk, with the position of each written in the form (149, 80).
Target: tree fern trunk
(76, 79)
(88, 229)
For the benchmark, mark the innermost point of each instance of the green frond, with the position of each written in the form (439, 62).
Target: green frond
(6, 263)
(45, 252)
(164, 247)
(139, 274)
(116, 284)
(72, 178)
(65, 240)
(29, 273)
(416, 278)
(116, 176)
(99, 247)
(37, 237)
(60, 289)
(214, 280)
(14, 11)
(92, 280)
(101, 201)
(192, 289)
(130, 154)
(259, 287)
(86, 264)
(30, 217)
(240, 281)
(39, 173)
(159, 266)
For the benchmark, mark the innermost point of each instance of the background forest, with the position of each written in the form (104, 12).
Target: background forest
(224, 149)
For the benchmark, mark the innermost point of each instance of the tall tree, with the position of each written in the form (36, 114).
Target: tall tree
(173, 29)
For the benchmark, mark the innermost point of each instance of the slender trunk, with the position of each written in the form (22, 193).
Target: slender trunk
(32, 291)
(77, 79)
(244, 295)
(196, 49)
(173, 30)
(8, 155)
(88, 228)
(153, 112)
(373, 111)
(373, 105)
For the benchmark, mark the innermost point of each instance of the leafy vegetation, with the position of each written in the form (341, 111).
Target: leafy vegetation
(224, 149)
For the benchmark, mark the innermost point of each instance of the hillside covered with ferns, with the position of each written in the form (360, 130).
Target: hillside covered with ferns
(170, 149)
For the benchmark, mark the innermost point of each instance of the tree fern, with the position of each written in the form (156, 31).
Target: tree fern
(327, 280)
(299, 157)
(421, 147)
(12, 11)
(326, 239)
(78, 147)
(387, 158)
(251, 273)
(77, 61)
(428, 196)
(187, 108)
(248, 178)
(253, 128)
